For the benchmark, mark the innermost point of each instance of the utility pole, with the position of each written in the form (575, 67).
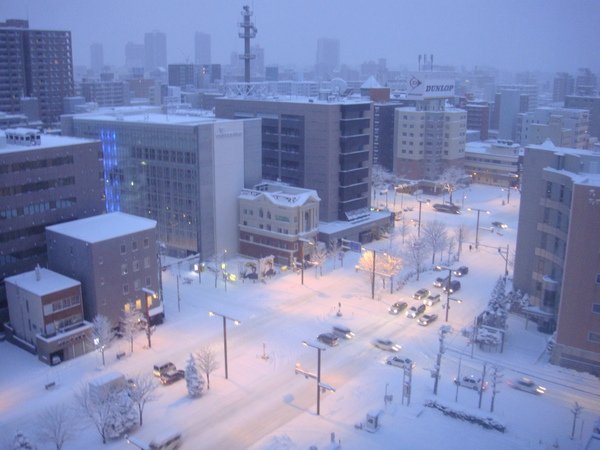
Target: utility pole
(482, 384)
(495, 379)
(575, 411)
(407, 384)
(445, 329)
(248, 31)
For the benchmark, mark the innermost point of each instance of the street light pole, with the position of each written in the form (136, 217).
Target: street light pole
(448, 293)
(420, 204)
(319, 350)
(477, 229)
(225, 318)
(373, 277)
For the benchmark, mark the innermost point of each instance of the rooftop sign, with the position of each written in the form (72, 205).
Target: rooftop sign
(420, 87)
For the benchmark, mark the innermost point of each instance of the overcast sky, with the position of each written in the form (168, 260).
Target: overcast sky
(547, 35)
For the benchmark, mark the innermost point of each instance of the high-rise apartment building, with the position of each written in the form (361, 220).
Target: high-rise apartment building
(106, 93)
(558, 221)
(509, 103)
(586, 82)
(592, 104)
(183, 170)
(134, 55)
(155, 51)
(531, 90)
(44, 180)
(564, 84)
(328, 57)
(202, 48)
(36, 64)
(97, 58)
(565, 127)
(478, 118)
(184, 75)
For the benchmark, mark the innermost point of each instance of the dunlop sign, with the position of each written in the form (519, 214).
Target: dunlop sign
(422, 88)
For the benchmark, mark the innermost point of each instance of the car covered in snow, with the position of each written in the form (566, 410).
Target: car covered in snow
(328, 339)
(398, 361)
(397, 308)
(421, 294)
(527, 385)
(387, 345)
(171, 376)
(161, 368)
(471, 382)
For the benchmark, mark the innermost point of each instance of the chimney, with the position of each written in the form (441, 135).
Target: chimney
(38, 274)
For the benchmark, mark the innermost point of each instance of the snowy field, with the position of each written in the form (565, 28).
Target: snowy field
(264, 405)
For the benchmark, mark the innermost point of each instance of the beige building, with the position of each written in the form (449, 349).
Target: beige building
(275, 218)
(494, 162)
(46, 315)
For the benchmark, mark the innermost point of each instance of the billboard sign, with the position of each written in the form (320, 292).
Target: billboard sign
(420, 87)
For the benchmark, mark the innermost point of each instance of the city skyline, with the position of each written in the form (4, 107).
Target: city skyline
(534, 35)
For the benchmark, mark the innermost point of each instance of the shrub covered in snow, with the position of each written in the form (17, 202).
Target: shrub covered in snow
(485, 422)
(193, 380)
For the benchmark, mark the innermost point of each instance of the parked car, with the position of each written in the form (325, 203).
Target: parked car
(328, 339)
(386, 344)
(527, 385)
(400, 362)
(471, 382)
(397, 308)
(500, 225)
(442, 207)
(439, 282)
(461, 271)
(159, 369)
(426, 319)
(421, 294)
(454, 286)
(415, 311)
(342, 332)
(432, 300)
(172, 376)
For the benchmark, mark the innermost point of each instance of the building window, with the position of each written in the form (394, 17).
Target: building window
(136, 265)
(596, 308)
(594, 337)
(598, 278)
(137, 285)
(124, 269)
(123, 249)
(146, 243)
(146, 262)
(125, 289)
(548, 189)
(134, 246)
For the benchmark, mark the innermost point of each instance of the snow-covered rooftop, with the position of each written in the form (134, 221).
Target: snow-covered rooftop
(371, 83)
(48, 282)
(279, 194)
(153, 115)
(46, 141)
(330, 100)
(103, 227)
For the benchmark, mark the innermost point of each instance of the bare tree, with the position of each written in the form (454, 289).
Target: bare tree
(131, 322)
(319, 256)
(461, 235)
(102, 334)
(450, 179)
(403, 228)
(416, 252)
(450, 247)
(386, 264)
(56, 425)
(436, 236)
(98, 410)
(141, 391)
(335, 250)
(207, 362)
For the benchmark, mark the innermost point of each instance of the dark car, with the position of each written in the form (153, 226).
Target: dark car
(461, 271)
(426, 319)
(451, 209)
(172, 376)
(454, 286)
(500, 225)
(397, 308)
(415, 311)
(328, 339)
(439, 282)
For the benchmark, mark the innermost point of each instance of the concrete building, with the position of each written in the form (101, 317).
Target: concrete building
(105, 93)
(134, 55)
(184, 170)
(509, 103)
(275, 218)
(558, 222)
(431, 136)
(564, 84)
(586, 83)
(478, 118)
(592, 104)
(26, 56)
(155, 51)
(115, 256)
(46, 315)
(328, 57)
(96, 58)
(565, 127)
(494, 162)
(44, 179)
(530, 90)
(184, 75)
(202, 49)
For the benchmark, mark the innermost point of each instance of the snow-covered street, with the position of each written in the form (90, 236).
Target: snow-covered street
(264, 405)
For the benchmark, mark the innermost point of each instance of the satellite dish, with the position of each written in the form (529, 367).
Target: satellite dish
(339, 86)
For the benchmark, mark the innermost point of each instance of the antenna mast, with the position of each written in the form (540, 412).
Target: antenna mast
(248, 31)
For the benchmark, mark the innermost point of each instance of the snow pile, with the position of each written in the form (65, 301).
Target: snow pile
(486, 422)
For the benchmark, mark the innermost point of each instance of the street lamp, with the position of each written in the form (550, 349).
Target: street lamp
(225, 319)
(150, 294)
(420, 204)
(302, 241)
(477, 229)
(319, 350)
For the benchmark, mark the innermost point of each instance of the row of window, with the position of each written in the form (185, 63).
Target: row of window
(62, 304)
(134, 245)
(137, 285)
(39, 207)
(173, 156)
(38, 164)
(9, 191)
(135, 266)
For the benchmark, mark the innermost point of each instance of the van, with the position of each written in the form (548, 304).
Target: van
(170, 440)
(160, 369)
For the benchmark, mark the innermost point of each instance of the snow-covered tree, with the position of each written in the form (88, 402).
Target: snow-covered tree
(450, 247)
(450, 179)
(403, 227)
(386, 265)
(97, 410)
(102, 334)
(123, 415)
(319, 256)
(193, 380)
(335, 250)
(435, 235)
(22, 442)
(131, 322)
(141, 391)
(415, 254)
(207, 362)
(56, 425)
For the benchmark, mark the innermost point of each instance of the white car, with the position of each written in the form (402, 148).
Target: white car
(432, 300)
(400, 362)
(527, 385)
(471, 382)
(387, 345)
